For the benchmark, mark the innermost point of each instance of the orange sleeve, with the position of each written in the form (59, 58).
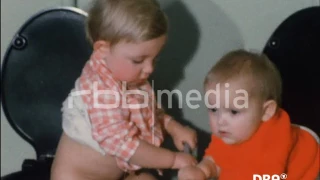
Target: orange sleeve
(304, 159)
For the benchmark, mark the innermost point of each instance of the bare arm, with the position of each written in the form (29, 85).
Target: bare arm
(204, 170)
(179, 133)
(150, 156)
(163, 118)
(171, 125)
(208, 167)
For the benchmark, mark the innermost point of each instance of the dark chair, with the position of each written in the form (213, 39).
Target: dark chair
(294, 48)
(39, 69)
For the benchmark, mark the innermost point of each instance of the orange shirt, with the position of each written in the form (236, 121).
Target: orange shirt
(277, 147)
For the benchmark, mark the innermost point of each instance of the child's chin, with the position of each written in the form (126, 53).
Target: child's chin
(229, 141)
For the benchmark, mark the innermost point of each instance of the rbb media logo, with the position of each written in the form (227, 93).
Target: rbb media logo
(269, 177)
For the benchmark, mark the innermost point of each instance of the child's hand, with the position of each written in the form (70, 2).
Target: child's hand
(182, 134)
(191, 173)
(183, 159)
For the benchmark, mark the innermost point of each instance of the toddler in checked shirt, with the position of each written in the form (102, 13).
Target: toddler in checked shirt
(111, 121)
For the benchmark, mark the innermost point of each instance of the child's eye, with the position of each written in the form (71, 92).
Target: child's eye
(213, 110)
(137, 61)
(234, 112)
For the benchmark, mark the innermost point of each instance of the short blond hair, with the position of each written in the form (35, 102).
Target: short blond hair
(265, 79)
(128, 20)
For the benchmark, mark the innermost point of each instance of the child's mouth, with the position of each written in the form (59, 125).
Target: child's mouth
(223, 133)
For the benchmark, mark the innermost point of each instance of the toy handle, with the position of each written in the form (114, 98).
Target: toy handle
(187, 148)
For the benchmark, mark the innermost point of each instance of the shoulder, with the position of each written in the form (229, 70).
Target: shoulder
(307, 141)
(303, 161)
(306, 134)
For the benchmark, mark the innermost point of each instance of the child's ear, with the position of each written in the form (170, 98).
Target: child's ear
(269, 109)
(101, 45)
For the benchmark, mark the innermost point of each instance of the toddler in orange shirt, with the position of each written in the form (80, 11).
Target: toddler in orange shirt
(251, 134)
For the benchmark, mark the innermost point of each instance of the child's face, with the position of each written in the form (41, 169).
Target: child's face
(236, 115)
(134, 62)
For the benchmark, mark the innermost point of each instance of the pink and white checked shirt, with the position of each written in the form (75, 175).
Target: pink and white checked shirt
(119, 129)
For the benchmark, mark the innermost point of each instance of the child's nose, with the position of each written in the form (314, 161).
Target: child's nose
(148, 68)
(221, 120)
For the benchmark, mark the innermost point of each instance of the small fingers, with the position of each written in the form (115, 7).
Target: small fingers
(193, 139)
(180, 145)
(186, 148)
(192, 142)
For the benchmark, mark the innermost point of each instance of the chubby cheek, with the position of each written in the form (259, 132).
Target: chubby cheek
(242, 131)
(213, 125)
(126, 72)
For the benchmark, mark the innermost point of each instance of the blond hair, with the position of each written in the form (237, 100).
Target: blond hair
(264, 77)
(129, 20)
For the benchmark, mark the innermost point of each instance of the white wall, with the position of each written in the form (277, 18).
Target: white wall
(13, 14)
(222, 25)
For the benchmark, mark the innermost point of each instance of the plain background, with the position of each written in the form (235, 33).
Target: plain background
(202, 31)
